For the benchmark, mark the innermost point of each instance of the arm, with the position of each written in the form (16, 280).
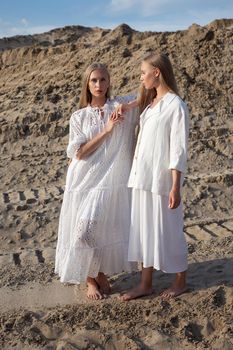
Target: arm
(174, 195)
(131, 104)
(124, 107)
(126, 103)
(178, 153)
(89, 147)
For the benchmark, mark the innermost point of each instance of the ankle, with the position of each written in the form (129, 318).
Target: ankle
(90, 280)
(180, 280)
(101, 275)
(145, 286)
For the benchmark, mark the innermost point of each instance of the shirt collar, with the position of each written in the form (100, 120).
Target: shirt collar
(166, 100)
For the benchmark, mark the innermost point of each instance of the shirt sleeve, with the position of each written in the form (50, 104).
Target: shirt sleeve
(179, 138)
(76, 137)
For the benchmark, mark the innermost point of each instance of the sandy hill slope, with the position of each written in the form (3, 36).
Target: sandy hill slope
(40, 79)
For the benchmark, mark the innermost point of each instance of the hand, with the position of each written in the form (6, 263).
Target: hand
(174, 199)
(120, 110)
(112, 122)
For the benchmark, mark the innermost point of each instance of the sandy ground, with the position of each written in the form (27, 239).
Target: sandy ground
(38, 312)
(39, 87)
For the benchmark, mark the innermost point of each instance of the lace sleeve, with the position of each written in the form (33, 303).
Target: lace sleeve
(76, 136)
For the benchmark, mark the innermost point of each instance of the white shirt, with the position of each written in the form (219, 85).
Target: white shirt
(109, 166)
(161, 145)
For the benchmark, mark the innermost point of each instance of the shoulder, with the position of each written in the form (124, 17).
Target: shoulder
(178, 105)
(78, 115)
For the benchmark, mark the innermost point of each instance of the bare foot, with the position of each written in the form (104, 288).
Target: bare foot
(93, 291)
(103, 283)
(137, 292)
(173, 292)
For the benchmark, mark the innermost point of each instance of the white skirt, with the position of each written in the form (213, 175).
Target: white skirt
(156, 234)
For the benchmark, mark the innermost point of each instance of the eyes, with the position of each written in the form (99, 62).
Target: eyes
(95, 80)
(143, 73)
(146, 72)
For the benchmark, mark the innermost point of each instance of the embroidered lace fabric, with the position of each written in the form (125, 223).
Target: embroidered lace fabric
(94, 221)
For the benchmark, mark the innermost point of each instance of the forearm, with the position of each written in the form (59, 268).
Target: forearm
(132, 104)
(176, 175)
(88, 148)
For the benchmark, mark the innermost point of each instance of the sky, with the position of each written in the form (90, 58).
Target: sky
(21, 17)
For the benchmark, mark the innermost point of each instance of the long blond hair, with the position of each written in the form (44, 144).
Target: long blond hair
(167, 78)
(85, 95)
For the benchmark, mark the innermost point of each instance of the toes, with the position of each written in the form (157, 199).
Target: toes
(166, 295)
(163, 294)
(170, 293)
(94, 296)
(125, 297)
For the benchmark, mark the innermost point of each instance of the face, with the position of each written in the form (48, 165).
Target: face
(149, 75)
(98, 83)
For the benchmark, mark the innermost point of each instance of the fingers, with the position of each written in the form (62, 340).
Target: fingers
(117, 113)
(173, 202)
(177, 203)
(120, 109)
(114, 115)
(116, 118)
(120, 119)
(170, 201)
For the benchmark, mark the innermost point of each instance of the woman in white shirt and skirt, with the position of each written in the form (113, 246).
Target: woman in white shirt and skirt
(156, 235)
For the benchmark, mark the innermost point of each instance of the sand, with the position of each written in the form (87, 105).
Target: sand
(40, 78)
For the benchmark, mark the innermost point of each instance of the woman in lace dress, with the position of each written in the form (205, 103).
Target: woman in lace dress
(95, 215)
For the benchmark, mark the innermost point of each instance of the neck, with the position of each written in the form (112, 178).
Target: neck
(161, 91)
(98, 101)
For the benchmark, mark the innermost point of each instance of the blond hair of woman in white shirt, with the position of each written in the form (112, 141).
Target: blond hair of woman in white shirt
(156, 236)
(94, 221)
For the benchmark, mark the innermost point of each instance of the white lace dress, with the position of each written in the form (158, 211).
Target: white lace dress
(94, 221)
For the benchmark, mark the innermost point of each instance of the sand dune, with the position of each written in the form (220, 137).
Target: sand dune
(40, 79)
